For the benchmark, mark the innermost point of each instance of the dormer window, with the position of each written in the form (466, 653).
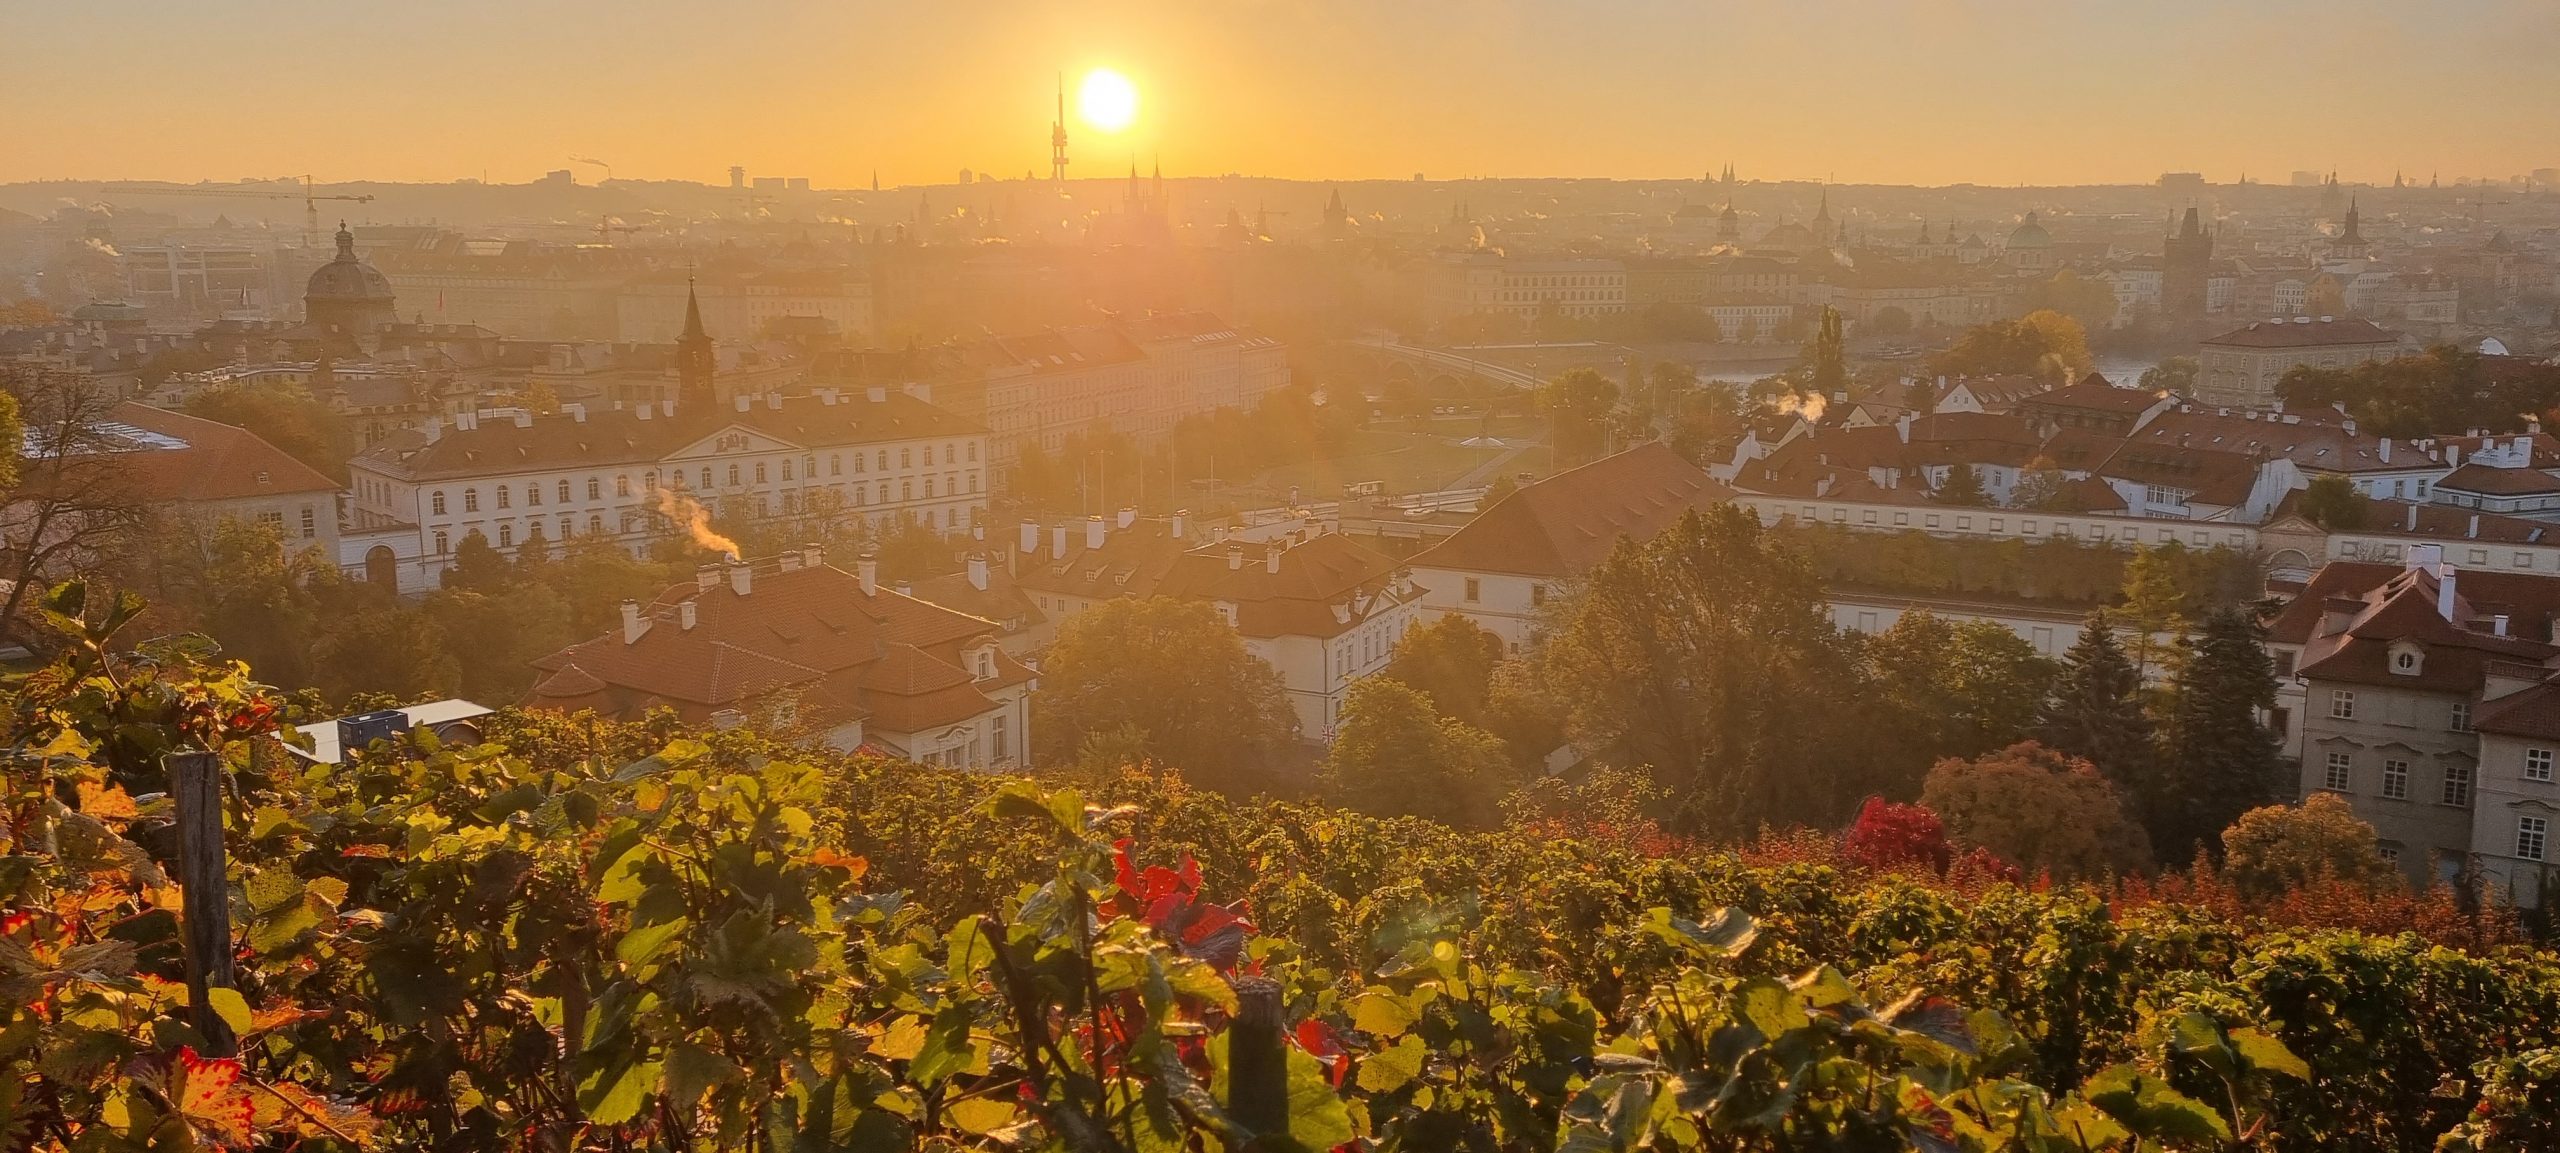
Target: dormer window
(2407, 660)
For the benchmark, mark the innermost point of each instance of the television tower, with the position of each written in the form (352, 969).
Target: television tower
(1058, 136)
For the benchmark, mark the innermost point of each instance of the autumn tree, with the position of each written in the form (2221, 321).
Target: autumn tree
(1394, 755)
(2039, 809)
(2217, 758)
(1577, 405)
(2043, 343)
(1451, 662)
(2155, 602)
(1702, 653)
(1173, 671)
(286, 416)
(2277, 848)
(2176, 374)
(2094, 709)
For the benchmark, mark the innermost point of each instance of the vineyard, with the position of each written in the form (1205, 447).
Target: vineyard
(579, 936)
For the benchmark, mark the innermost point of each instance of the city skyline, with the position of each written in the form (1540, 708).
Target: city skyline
(1942, 93)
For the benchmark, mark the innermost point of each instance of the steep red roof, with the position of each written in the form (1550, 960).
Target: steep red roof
(1563, 525)
(1321, 587)
(2352, 615)
(809, 631)
(2304, 332)
(188, 458)
(2489, 480)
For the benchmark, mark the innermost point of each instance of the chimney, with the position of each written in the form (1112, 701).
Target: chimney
(706, 577)
(524, 418)
(1030, 536)
(577, 412)
(1180, 516)
(633, 624)
(741, 576)
(1093, 530)
(1058, 542)
(978, 571)
(433, 429)
(1128, 516)
(1902, 428)
(2386, 450)
(812, 554)
(2453, 455)
(773, 401)
(1235, 555)
(2498, 625)
(643, 412)
(667, 407)
(878, 395)
(686, 614)
(866, 568)
(1271, 557)
(905, 589)
(791, 561)
(742, 402)
(2444, 591)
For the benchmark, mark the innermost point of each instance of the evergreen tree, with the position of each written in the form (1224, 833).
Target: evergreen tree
(1962, 487)
(2095, 709)
(2217, 758)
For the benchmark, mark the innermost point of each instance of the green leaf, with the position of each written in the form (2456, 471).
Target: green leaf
(1725, 934)
(1769, 1007)
(2199, 1036)
(1194, 978)
(980, 1114)
(614, 1094)
(2148, 1107)
(1318, 1118)
(2264, 1051)
(1381, 1013)
(643, 944)
(1390, 1069)
(946, 1046)
(693, 1070)
(229, 1005)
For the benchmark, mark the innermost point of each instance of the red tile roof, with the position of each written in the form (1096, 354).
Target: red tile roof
(2304, 332)
(189, 458)
(809, 631)
(1563, 525)
(2489, 480)
(1313, 580)
(2350, 615)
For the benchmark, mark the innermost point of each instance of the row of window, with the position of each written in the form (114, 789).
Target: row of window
(2342, 702)
(2027, 526)
(2381, 551)
(2338, 776)
(807, 466)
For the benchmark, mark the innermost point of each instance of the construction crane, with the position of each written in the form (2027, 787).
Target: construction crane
(309, 196)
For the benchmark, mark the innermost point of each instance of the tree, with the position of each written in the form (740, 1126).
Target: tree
(1826, 357)
(1890, 834)
(286, 416)
(2176, 374)
(2041, 487)
(1394, 756)
(1705, 654)
(2044, 343)
(495, 636)
(2277, 848)
(2094, 710)
(479, 566)
(2155, 601)
(1950, 689)
(2039, 809)
(1174, 671)
(1451, 662)
(1577, 405)
(2217, 758)
(2332, 502)
(2089, 303)
(76, 503)
(1963, 488)
(1494, 493)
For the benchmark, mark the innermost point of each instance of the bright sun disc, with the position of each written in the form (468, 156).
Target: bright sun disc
(1107, 100)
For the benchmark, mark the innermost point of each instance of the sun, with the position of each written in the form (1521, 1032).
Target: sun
(1107, 100)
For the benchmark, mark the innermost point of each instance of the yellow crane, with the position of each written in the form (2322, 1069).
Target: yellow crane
(310, 197)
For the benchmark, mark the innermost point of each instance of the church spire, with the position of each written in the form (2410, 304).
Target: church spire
(695, 361)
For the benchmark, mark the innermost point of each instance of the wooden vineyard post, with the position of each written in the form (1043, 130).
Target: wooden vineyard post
(195, 784)
(1258, 1082)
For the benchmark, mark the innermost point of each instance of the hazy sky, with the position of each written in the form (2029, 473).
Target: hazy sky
(1926, 91)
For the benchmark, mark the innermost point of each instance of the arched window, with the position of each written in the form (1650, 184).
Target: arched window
(471, 500)
(435, 502)
(503, 502)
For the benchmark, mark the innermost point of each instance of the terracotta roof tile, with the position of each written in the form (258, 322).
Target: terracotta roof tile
(1561, 526)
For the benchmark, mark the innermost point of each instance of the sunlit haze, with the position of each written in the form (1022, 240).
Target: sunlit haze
(1107, 100)
(1984, 91)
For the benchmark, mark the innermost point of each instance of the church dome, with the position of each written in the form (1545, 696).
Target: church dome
(346, 278)
(2030, 234)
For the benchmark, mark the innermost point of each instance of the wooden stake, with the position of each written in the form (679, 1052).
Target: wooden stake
(1257, 1050)
(195, 784)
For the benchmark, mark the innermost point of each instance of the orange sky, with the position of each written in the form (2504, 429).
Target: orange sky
(1924, 91)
